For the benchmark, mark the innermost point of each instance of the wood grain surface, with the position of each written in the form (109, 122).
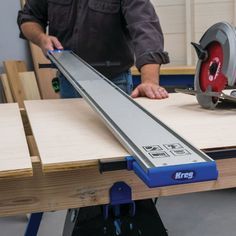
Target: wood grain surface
(29, 85)
(205, 129)
(86, 187)
(69, 134)
(76, 186)
(12, 69)
(6, 88)
(44, 76)
(14, 153)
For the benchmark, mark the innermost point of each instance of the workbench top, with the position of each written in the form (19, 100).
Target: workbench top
(70, 134)
(71, 138)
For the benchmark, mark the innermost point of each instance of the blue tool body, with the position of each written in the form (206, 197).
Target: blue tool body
(176, 174)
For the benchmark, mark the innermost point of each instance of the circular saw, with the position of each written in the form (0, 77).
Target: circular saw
(216, 67)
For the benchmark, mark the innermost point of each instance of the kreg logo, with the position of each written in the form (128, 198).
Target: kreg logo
(183, 175)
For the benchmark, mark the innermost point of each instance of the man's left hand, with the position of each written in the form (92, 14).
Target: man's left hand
(150, 90)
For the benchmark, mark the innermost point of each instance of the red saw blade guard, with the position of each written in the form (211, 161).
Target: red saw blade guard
(211, 75)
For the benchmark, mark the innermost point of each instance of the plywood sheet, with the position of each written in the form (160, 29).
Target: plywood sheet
(14, 154)
(69, 134)
(203, 128)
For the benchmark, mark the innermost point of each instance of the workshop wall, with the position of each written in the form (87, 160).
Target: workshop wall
(11, 47)
(184, 21)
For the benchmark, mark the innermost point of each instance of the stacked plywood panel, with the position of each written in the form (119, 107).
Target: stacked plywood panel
(18, 83)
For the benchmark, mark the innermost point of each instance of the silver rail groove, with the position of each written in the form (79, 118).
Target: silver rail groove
(147, 139)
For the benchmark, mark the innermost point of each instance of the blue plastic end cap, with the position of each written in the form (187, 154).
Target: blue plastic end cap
(176, 174)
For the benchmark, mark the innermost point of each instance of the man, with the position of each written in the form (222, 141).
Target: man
(108, 34)
(105, 33)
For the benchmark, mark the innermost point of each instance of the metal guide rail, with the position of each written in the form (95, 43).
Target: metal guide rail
(160, 156)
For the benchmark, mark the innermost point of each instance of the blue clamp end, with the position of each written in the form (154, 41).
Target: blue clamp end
(176, 174)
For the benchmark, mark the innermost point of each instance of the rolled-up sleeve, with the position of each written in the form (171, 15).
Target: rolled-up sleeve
(145, 31)
(33, 11)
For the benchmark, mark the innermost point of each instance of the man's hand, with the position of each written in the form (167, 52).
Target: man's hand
(35, 33)
(149, 86)
(47, 43)
(150, 90)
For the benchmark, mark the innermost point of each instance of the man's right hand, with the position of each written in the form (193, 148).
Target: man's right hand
(35, 33)
(47, 43)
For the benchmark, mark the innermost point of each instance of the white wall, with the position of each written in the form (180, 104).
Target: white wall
(11, 47)
(184, 21)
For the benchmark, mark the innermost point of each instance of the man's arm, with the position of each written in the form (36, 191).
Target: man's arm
(147, 38)
(149, 86)
(35, 33)
(32, 21)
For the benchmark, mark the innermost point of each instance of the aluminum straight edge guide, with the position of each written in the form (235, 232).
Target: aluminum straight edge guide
(159, 156)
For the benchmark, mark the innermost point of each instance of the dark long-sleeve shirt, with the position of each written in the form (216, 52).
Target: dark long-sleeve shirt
(108, 34)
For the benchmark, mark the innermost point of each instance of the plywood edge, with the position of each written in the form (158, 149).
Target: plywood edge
(25, 121)
(17, 173)
(216, 149)
(68, 166)
(34, 155)
(77, 165)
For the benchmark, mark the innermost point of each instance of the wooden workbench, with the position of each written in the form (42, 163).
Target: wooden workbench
(170, 76)
(71, 138)
(170, 70)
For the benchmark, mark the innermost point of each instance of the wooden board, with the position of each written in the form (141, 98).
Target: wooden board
(78, 188)
(12, 68)
(44, 76)
(70, 135)
(14, 154)
(73, 187)
(22, 3)
(171, 70)
(6, 89)
(85, 187)
(29, 85)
